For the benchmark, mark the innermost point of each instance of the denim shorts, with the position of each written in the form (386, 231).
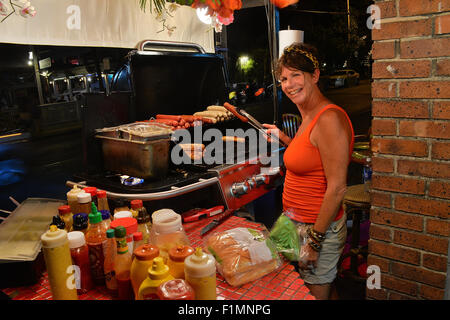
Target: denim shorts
(329, 255)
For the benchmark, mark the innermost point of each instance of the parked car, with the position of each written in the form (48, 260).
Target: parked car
(343, 78)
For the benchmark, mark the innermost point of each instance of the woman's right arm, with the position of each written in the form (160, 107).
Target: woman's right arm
(273, 130)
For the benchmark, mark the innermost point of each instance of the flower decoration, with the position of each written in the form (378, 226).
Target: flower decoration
(27, 10)
(3, 9)
(19, 7)
(283, 3)
(221, 12)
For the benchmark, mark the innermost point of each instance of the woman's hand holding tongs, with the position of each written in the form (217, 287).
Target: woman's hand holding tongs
(279, 134)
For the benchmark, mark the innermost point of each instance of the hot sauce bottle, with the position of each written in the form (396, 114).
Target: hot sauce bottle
(95, 239)
(80, 257)
(122, 265)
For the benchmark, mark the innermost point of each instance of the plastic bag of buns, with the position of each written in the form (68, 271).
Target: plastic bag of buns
(243, 254)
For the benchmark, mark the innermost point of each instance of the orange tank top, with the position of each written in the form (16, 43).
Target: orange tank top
(305, 182)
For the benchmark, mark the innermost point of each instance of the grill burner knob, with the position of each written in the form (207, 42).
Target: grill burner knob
(251, 183)
(261, 179)
(239, 188)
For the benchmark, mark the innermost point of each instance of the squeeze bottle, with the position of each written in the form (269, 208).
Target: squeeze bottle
(59, 222)
(95, 239)
(106, 218)
(66, 215)
(102, 200)
(143, 259)
(58, 261)
(200, 273)
(80, 257)
(177, 255)
(130, 224)
(122, 265)
(80, 222)
(167, 231)
(72, 199)
(84, 202)
(93, 192)
(110, 251)
(158, 273)
(143, 219)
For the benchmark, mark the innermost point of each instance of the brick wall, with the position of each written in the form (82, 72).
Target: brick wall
(410, 222)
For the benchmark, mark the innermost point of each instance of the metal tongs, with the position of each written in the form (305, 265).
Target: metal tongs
(245, 117)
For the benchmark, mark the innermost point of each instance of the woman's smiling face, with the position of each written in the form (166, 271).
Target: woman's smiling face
(297, 85)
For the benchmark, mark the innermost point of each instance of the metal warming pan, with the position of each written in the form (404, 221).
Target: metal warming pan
(136, 149)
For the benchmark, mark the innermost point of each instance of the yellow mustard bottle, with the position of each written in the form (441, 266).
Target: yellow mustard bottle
(142, 261)
(55, 245)
(157, 275)
(200, 273)
(177, 255)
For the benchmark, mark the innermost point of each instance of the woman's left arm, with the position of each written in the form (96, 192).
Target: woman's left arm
(332, 136)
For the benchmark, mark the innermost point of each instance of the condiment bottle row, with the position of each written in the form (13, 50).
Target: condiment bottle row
(115, 254)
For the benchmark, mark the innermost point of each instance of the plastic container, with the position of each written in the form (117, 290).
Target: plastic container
(143, 260)
(72, 199)
(21, 258)
(95, 239)
(65, 212)
(106, 218)
(122, 265)
(80, 257)
(80, 222)
(130, 225)
(58, 261)
(110, 252)
(167, 231)
(176, 289)
(143, 218)
(200, 273)
(123, 214)
(177, 255)
(102, 200)
(84, 202)
(157, 275)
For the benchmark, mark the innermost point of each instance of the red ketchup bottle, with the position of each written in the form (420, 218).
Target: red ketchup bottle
(176, 289)
(80, 257)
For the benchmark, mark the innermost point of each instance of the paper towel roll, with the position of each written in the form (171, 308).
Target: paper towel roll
(287, 37)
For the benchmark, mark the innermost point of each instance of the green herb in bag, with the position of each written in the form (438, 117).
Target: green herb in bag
(284, 235)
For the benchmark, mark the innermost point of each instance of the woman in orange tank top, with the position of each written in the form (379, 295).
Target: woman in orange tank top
(316, 163)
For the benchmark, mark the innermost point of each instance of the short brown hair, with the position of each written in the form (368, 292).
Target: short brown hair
(298, 56)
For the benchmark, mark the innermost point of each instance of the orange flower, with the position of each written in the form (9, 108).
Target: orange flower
(232, 4)
(223, 8)
(283, 3)
(224, 12)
